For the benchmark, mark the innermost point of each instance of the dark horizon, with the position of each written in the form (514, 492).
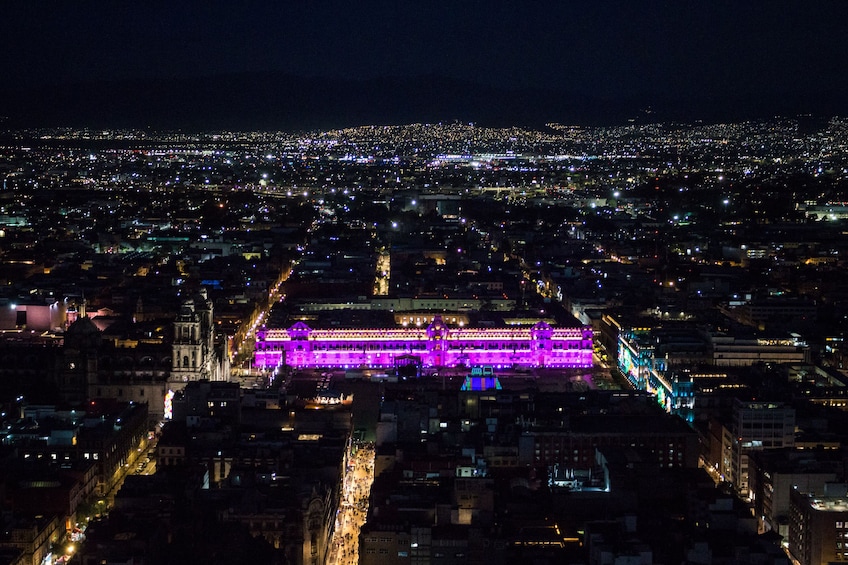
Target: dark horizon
(278, 102)
(326, 64)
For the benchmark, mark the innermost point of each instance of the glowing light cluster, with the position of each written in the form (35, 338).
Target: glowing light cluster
(169, 404)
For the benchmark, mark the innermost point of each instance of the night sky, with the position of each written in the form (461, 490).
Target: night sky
(245, 62)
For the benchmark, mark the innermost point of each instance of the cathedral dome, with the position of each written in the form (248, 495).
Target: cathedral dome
(82, 334)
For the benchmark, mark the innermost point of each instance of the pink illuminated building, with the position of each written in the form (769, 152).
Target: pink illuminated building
(436, 345)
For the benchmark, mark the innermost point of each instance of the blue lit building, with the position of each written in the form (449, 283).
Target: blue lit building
(481, 379)
(636, 356)
(639, 361)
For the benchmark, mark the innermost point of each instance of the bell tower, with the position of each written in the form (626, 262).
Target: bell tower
(193, 347)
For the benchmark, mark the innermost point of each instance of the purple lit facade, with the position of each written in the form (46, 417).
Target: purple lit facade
(436, 345)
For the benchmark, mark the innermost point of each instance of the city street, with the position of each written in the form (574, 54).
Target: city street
(353, 507)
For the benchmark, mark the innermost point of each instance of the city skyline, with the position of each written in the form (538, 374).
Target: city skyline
(386, 283)
(485, 326)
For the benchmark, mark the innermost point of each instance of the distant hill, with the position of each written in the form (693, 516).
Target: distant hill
(264, 101)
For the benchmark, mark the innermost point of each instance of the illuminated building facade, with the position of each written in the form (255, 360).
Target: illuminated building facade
(638, 361)
(193, 354)
(659, 356)
(436, 345)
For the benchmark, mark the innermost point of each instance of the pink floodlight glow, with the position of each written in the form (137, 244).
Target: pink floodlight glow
(436, 345)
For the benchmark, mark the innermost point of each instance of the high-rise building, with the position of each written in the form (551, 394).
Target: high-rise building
(755, 426)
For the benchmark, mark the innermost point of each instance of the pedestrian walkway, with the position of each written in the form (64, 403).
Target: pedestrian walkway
(353, 506)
